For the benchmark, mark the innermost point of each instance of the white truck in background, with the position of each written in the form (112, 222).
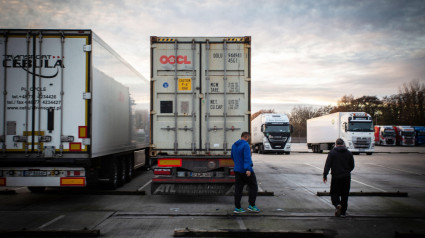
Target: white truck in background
(72, 111)
(271, 133)
(355, 128)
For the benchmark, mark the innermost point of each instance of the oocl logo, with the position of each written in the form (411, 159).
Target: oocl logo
(181, 59)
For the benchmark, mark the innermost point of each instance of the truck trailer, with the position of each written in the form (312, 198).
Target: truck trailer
(73, 111)
(355, 128)
(385, 135)
(271, 133)
(405, 135)
(200, 105)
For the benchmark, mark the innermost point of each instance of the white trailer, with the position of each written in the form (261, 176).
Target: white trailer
(71, 111)
(200, 105)
(271, 133)
(355, 128)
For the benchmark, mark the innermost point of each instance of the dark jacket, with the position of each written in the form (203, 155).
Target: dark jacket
(241, 155)
(340, 161)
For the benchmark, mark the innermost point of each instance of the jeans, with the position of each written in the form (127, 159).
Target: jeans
(241, 180)
(340, 189)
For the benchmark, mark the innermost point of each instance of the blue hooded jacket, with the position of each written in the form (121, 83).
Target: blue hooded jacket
(241, 155)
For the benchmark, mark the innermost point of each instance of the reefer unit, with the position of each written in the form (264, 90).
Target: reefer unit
(200, 105)
(355, 128)
(72, 109)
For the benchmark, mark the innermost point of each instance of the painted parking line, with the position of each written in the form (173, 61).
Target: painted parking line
(368, 185)
(51, 222)
(144, 186)
(401, 170)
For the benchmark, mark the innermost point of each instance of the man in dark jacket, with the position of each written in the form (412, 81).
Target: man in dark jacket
(341, 162)
(244, 174)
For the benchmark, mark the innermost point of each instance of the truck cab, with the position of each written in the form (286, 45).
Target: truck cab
(419, 135)
(405, 135)
(386, 136)
(358, 132)
(272, 134)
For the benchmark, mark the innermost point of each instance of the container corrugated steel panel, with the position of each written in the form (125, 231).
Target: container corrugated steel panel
(200, 89)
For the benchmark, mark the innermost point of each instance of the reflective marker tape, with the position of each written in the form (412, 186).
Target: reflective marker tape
(73, 181)
(170, 162)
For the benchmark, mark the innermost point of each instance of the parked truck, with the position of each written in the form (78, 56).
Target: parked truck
(385, 135)
(271, 133)
(355, 128)
(200, 105)
(72, 111)
(419, 135)
(405, 135)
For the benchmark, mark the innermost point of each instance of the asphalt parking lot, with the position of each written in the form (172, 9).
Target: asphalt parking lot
(294, 179)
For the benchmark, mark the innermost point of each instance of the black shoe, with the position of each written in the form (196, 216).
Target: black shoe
(338, 211)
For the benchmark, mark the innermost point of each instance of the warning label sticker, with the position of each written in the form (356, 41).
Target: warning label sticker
(185, 84)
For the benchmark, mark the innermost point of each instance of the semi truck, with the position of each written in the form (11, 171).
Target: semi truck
(405, 135)
(385, 135)
(72, 111)
(271, 133)
(419, 135)
(355, 128)
(200, 105)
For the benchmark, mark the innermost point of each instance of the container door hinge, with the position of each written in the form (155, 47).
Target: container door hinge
(86, 141)
(87, 48)
(86, 95)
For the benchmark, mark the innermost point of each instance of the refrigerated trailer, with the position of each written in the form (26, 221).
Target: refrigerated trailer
(73, 112)
(355, 128)
(200, 105)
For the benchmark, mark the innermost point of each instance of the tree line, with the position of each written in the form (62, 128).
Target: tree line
(407, 107)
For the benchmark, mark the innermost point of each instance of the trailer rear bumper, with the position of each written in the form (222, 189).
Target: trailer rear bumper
(169, 186)
(43, 177)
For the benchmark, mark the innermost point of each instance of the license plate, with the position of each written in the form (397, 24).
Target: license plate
(35, 173)
(202, 175)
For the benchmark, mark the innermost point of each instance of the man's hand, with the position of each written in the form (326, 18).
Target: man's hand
(325, 180)
(248, 173)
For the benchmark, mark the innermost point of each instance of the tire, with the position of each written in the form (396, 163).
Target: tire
(37, 189)
(356, 153)
(287, 153)
(129, 169)
(369, 153)
(112, 175)
(122, 170)
(261, 150)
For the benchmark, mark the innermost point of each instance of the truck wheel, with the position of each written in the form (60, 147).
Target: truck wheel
(121, 171)
(369, 153)
(112, 175)
(261, 150)
(287, 153)
(37, 189)
(129, 169)
(356, 153)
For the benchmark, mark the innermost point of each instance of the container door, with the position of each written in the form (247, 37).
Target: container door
(44, 78)
(175, 97)
(226, 85)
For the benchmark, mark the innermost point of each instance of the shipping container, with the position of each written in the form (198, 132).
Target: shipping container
(200, 105)
(73, 111)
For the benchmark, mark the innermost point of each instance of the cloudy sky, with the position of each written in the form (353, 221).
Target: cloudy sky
(303, 52)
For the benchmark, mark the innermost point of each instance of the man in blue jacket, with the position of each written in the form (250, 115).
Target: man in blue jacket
(244, 174)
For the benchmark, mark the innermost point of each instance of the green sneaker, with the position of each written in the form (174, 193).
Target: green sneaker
(253, 208)
(238, 210)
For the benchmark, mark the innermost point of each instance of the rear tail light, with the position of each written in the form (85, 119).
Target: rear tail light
(75, 173)
(162, 171)
(232, 172)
